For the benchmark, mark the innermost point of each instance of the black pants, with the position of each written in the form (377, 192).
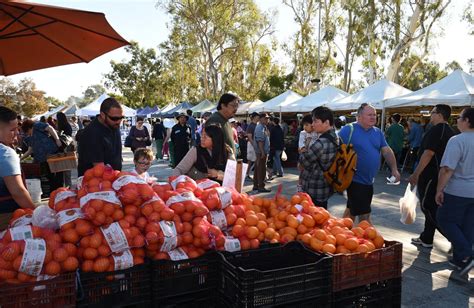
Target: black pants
(426, 192)
(180, 150)
(55, 180)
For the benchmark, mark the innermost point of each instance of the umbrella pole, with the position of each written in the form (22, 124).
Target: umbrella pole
(382, 121)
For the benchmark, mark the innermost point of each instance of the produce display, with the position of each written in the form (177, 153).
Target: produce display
(114, 220)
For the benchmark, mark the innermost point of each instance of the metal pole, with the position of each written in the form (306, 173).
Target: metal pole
(319, 47)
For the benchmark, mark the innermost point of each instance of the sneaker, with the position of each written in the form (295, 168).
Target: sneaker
(248, 178)
(418, 242)
(264, 190)
(280, 176)
(466, 267)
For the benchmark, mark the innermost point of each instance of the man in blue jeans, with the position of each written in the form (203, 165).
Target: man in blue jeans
(455, 193)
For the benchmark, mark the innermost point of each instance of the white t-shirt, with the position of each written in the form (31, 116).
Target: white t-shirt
(145, 176)
(305, 136)
(459, 156)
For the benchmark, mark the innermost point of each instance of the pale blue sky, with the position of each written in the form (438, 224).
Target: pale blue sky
(139, 20)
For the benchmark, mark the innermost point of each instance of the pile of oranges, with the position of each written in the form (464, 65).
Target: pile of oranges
(115, 220)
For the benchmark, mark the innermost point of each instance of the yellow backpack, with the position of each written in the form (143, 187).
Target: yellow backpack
(340, 173)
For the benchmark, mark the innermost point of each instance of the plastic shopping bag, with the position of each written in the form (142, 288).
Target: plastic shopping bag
(284, 157)
(408, 204)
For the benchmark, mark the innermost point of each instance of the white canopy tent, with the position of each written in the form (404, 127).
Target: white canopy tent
(374, 94)
(93, 108)
(456, 89)
(322, 97)
(278, 103)
(167, 108)
(49, 113)
(245, 107)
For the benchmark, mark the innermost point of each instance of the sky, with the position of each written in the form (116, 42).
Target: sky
(141, 21)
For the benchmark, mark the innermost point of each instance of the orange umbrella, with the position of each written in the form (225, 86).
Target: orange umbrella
(35, 36)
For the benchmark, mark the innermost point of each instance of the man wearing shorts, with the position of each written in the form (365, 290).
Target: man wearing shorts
(368, 142)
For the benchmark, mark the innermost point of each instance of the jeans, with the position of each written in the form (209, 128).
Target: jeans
(456, 219)
(277, 169)
(159, 148)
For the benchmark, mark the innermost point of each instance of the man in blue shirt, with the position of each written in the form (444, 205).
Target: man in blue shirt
(193, 124)
(368, 142)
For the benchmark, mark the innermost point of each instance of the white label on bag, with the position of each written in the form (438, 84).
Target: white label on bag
(107, 196)
(218, 219)
(225, 197)
(21, 233)
(185, 196)
(67, 216)
(159, 184)
(177, 254)
(63, 195)
(33, 257)
(123, 260)
(180, 179)
(2, 234)
(207, 184)
(170, 240)
(232, 244)
(153, 199)
(40, 278)
(127, 179)
(22, 221)
(299, 207)
(115, 237)
(299, 218)
(79, 182)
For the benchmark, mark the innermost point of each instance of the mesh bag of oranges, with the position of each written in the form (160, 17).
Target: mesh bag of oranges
(101, 208)
(162, 189)
(182, 183)
(21, 217)
(132, 190)
(187, 206)
(29, 253)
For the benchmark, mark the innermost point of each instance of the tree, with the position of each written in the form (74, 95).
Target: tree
(215, 41)
(53, 101)
(91, 93)
(24, 98)
(424, 14)
(426, 73)
(137, 79)
(468, 16)
(276, 84)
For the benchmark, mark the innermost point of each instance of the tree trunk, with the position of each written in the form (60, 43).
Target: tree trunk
(405, 43)
(345, 81)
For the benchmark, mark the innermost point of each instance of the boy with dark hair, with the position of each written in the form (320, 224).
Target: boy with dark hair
(319, 156)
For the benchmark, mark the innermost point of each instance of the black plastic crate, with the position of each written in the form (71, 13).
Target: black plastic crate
(387, 293)
(275, 276)
(185, 283)
(56, 292)
(129, 287)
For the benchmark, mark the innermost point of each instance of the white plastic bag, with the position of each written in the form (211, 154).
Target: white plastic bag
(251, 155)
(284, 157)
(408, 204)
(45, 217)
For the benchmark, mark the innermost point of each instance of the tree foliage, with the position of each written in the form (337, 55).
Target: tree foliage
(24, 98)
(137, 79)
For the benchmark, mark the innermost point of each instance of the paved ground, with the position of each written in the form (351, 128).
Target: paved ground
(428, 280)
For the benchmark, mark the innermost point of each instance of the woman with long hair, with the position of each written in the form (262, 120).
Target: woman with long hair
(207, 160)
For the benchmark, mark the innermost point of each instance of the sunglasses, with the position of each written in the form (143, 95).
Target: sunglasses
(115, 119)
(144, 163)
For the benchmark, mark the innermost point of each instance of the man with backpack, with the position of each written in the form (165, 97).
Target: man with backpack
(368, 141)
(319, 156)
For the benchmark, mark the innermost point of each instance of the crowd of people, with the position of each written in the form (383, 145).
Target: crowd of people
(443, 170)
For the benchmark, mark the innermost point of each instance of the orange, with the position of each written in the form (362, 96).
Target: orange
(362, 248)
(252, 232)
(87, 265)
(320, 234)
(244, 244)
(252, 220)
(331, 239)
(292, 221)
(340, 239)
(378, 242)
(262, 226)
(258, 201)
(358, 231)
(285, 238)
(316, 244)
(370, 233)
(238, 231)
(254, 243)
(241, 222)
(295, 199)
(60, 255)
(348, 222)
(52, 268)
(90, 253)
(280, 224)
(329, 248)
(70, 236)
(364, 224)
(351, 243)
(261, 216)
(308, 221)
(70, 264)
(306, 238)
(282, 215)
(342, 249)
(269, 233)
(302, 229)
